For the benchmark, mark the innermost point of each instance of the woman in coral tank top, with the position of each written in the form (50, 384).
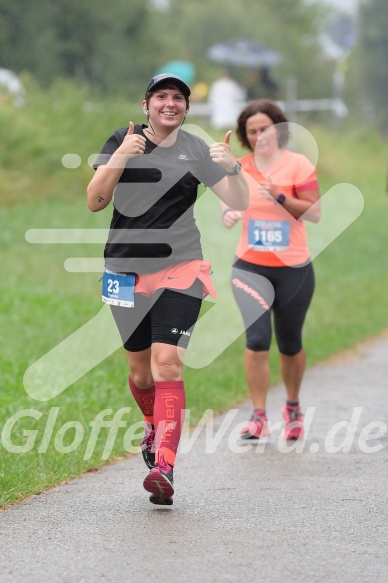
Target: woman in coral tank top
(272, 277)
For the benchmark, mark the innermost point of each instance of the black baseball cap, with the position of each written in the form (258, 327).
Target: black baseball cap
(166, 77)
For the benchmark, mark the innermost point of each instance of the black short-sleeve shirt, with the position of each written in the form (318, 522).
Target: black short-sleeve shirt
(153, 225)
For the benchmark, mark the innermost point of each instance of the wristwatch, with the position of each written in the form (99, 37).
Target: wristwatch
(281, 199)
(237, 170)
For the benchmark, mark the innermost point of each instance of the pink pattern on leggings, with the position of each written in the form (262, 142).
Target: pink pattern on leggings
(255, 295)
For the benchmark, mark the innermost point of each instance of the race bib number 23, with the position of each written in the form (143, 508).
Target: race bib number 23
(118, 289)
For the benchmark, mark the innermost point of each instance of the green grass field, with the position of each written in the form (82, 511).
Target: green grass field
(41, 304)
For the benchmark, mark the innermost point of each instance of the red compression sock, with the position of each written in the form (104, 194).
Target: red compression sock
(170, 403)
(145, 398)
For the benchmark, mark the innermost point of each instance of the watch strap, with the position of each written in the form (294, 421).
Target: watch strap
(237, 170)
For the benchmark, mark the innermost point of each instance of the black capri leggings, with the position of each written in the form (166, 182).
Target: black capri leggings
(284, 291)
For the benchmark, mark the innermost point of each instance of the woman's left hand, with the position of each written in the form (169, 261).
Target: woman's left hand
(221, 154)
(268, 190)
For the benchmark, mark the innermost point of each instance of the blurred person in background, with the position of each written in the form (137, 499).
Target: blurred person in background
(155, 275)
(261, 82)
(226, 98)
(273, 276)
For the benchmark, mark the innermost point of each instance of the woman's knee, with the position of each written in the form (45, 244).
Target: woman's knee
(141, 376)
(258, 340)
(290, 348)
(142, 379)
(140, 368)
(166, 364)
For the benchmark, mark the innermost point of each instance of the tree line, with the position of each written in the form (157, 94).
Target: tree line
(116, 47)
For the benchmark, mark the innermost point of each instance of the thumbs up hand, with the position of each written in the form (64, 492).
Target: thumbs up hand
(133, 144)
(221, 153)
(227, 137)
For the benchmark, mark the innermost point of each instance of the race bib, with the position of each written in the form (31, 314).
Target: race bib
(268, 235)
(118, 289)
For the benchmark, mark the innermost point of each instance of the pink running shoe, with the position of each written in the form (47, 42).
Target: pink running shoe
(160, 483)
(147, 445)
(293, 418)
(257, 427)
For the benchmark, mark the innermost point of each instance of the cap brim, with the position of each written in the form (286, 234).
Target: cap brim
(181, 85)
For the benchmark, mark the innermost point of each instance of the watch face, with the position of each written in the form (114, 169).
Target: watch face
(281, 198)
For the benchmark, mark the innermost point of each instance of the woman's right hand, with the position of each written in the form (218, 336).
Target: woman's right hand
(230, 218)
(133, 144)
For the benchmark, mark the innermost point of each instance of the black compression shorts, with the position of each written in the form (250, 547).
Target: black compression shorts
(167, 317)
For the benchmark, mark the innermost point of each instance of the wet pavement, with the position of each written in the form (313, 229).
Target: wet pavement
(308, 511)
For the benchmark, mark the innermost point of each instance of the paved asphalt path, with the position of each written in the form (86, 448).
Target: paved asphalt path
(265, 514)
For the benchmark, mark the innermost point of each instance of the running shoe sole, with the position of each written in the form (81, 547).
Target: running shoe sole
(160, 487)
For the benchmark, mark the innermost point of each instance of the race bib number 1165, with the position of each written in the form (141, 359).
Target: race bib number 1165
(268, 235)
